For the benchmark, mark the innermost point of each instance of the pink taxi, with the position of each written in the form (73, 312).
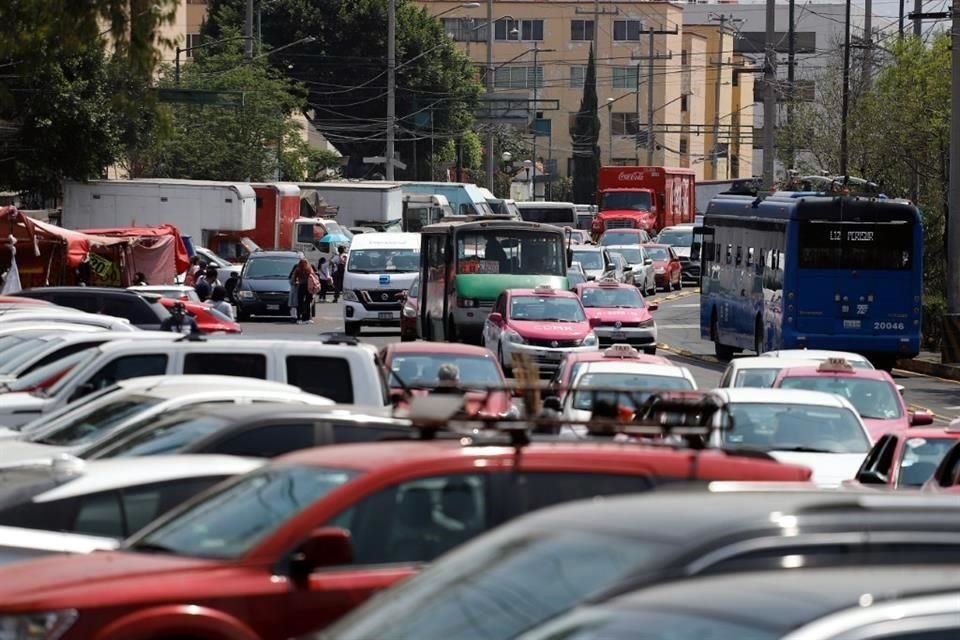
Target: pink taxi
(872, 392)
(619, 315)
(543, 323)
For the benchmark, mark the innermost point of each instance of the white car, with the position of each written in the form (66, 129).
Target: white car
(71, 316)
(644, 277)
(821, 355)
(18, 543)
(109, 498)
(172, 291)
(593, 259)
(637, 380)
(818, 430)
(755, 371)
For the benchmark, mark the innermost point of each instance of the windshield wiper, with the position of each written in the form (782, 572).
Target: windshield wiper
(802, 449)
(151, 547)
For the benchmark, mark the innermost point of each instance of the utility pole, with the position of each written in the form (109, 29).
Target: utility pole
(651, 57)
(391, 85)
(769, 97)
(715, 152)
(636, 108)
(491, 163)
(248, 31)
(791, 71)
(868, 42)
(845, 99)
(917, 24)
(596, 12)
(900, 24)
(536, 86)
(952, 319)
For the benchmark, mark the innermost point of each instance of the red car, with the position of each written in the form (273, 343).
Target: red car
(207, 319)
(572, 362)
(906, 459)
(414, 365)
(408, 315)
(292, 546)
(666, 266)
(872, 392)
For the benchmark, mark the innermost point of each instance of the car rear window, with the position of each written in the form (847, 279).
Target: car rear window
(249, 365)
(324, 376)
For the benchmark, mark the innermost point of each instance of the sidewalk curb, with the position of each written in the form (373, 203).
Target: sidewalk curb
(675, 296)
(937, 370)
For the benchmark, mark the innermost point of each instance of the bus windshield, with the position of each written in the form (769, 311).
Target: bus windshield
(510, 251)
(550, 215)
(636, 200)
(840, 245)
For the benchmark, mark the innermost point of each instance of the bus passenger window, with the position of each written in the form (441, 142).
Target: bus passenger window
(729, 253)
(750, 257)
(739, 254)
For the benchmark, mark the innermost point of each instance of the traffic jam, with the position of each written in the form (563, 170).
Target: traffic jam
(522, 459)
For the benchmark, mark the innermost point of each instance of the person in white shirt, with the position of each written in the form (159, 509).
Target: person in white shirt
(218, 302)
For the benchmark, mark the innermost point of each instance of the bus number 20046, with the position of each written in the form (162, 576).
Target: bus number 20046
(888, 326)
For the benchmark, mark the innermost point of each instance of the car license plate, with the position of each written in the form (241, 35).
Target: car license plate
(273, 307)
(618, 335)
(851, 324)
(385, 315)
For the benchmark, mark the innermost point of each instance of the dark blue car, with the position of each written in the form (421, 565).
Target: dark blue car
(264, 286)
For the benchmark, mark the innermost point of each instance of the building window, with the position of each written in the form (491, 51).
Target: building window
(624, 162)
(508, 29)
(627, 30)
(578, 75)
(193, 40)
(625, 77)
(684, 57)
(465, 29)
(518, 77)
(683, 102)
(581, 30)
(684, 146)
(624, 123)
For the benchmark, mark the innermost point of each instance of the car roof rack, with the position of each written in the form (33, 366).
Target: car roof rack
(193, 336)
(336, 337)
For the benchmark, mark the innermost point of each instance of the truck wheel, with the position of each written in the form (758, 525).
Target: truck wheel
(351, 328)
(758, 337)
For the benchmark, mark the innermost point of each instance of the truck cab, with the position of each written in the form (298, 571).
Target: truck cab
(319, 238)
(421, 209)
(628, 209)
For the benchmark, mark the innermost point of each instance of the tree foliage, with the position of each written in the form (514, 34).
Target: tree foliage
(585, 135)
(212, 142)
(345, 73)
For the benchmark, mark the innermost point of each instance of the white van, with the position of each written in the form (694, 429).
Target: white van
(380, 268)
(561, 214)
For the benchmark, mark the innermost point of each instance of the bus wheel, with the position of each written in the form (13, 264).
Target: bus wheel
(758, 338)
(723, 352)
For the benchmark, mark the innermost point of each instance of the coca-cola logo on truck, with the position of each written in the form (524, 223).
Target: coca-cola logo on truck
(627, 176)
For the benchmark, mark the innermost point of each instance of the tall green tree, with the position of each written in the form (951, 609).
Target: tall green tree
(211, 142)
(585, 135)
(345, 72)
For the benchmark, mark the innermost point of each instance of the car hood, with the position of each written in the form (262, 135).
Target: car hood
(829, 469)
(82, 581)
(281, 285)
(878, 428)
(604, 314)
(17, 452)
(550, 330)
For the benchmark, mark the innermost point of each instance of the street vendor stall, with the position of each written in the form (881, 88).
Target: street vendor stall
(50, 255)
(159, 252)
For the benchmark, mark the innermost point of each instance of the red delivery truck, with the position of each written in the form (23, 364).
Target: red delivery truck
(649, 198)
(278, 207)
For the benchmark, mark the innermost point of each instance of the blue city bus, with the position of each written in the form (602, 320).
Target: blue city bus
(801, 270)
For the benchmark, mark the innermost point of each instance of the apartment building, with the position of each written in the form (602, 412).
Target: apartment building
(540, 54)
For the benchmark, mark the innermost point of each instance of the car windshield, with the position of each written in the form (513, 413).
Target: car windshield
(874, 399)
(546, 309)
(591, 386)
(383, 261)
(604, 297)
(89, 424)
(658, 253)
(420, 370)
(756, 378)
(611, 238)
(589, 260)
(676, 237)
(633, 255)
(680, 623)
(235, 518)
(167, 434)
(919, 458)
(45, 374)
(782, 427)
(472, 594)
(269, 268)
(19, 353)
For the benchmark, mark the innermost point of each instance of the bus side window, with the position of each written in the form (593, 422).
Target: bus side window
(739, 254)
(729, 253)
(750, 257)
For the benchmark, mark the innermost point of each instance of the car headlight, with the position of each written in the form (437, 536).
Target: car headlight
(590, 340)
(245, 294)
(409, 312)
(659, 270)
(350, 296)
(45, 625)
(514, 337)
(646, 324)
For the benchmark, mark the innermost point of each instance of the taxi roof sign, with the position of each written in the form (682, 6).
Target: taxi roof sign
(544, 288)
(608, 281)
(620, 350)
(838, 365)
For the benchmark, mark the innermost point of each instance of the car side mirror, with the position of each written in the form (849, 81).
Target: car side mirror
(653, 306)
(609, 266)
(901, 389)
(325, 547)
(871, 476)
(627, 269)
(591, 278)
(648, 262)
(553, 404)
(495, 318)
(921, 418)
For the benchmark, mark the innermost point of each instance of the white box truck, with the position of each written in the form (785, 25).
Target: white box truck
(196, 207)
(361, 203)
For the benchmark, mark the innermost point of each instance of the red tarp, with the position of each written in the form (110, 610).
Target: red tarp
(181, 257)
(48, 254)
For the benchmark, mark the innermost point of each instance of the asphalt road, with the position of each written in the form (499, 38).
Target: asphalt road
(679, 334)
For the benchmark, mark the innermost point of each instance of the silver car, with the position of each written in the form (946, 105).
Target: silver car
(641, 266)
